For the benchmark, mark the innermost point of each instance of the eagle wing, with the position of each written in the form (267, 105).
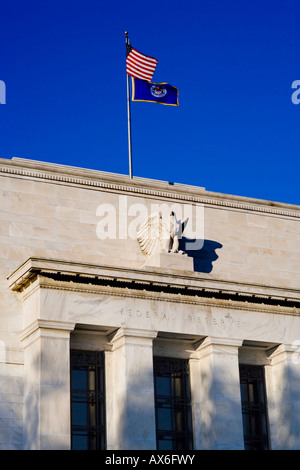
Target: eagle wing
(150, 233)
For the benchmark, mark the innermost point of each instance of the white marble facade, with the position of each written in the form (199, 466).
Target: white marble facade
(64, 285)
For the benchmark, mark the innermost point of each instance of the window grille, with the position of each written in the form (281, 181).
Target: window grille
(254, 407)
(172, 404)
(87, 400)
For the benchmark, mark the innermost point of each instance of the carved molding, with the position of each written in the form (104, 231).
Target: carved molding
(156, 189)
(204, 300)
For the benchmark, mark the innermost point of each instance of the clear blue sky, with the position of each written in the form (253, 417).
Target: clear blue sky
(236, 129)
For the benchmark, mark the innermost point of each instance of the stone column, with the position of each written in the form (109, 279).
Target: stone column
(47, 385)
(216, 400)
(132, 409)
(282, 384)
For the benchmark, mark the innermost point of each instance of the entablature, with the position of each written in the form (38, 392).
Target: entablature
(160, 284)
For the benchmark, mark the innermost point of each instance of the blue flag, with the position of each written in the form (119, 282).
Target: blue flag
(154, 92)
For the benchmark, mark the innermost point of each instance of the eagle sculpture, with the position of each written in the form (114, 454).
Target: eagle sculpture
(158, 235)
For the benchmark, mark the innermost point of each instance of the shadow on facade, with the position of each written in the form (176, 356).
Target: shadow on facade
(31, 404)
(204, 256)
(45, 413)
(135, 424)
(219, 416)
(284, 417)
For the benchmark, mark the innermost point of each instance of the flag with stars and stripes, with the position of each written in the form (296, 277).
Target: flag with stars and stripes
(139, 65)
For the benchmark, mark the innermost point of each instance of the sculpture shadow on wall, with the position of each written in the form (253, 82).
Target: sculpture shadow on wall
(203, 253)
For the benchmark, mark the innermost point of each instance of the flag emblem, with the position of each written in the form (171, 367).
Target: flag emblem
(158, 91)
(139, 65)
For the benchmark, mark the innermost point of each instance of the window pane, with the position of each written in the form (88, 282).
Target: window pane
(164, 419)
(163, 385)
(79, 379)
(79, 413)
(165, 444)
(79, 442)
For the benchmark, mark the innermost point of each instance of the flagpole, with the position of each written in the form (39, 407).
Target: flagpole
(129, 117)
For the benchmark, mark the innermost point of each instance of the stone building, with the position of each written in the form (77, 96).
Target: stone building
(111, 341)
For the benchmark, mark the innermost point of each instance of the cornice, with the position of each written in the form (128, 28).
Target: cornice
(110, 182)
(168, 286)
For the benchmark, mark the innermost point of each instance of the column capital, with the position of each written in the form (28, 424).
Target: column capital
(285, 351)
(48, 328)
(218, 345)
(131, 336)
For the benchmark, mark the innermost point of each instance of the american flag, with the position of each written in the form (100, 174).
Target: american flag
(139, 65)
